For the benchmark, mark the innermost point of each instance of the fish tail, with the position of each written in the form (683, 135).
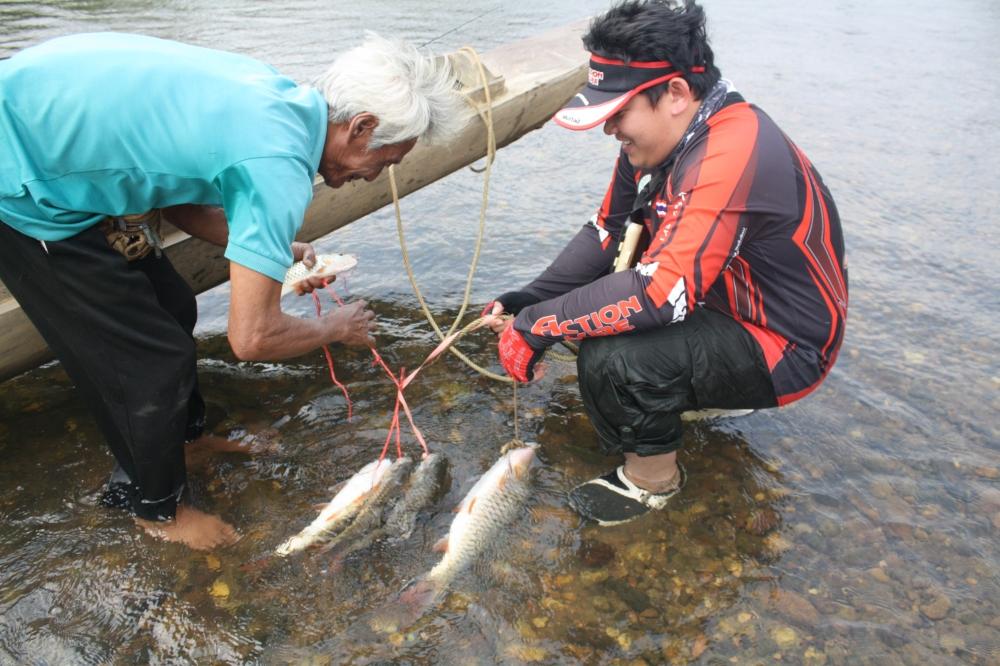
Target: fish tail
(417, 598)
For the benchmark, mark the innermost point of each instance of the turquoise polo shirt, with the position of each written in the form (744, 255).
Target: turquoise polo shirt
(115, 124)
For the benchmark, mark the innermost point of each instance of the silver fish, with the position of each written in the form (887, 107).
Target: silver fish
(486, 510)
(341, 509)
(424, 486)
(369, 516)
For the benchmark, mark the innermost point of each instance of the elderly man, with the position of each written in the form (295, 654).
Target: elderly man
(100, 126)
(740, 297)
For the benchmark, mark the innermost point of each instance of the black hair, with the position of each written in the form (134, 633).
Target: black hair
(646, 30)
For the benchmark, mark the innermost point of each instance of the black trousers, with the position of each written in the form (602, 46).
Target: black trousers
(123, 334)
(635, 387)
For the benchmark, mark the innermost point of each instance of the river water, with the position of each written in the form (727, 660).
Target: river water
(857, 526)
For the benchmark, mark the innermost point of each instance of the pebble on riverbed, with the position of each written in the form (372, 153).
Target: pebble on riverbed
(937, 609)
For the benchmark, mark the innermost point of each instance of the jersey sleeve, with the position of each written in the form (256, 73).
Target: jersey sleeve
(265, 200)
(698, 233)
(590, 253)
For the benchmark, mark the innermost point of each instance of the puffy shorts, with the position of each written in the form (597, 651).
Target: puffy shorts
(635, 386)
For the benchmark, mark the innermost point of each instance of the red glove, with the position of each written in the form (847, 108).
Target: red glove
(516, 356)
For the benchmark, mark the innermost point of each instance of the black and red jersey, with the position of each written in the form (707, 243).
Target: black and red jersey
(739, 222)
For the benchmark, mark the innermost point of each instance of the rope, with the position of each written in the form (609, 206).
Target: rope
(487, 118)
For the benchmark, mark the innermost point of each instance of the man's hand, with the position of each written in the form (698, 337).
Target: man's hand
(516, 356)
(259, 330)
(305, 253)
(351, 324)
(511, 302)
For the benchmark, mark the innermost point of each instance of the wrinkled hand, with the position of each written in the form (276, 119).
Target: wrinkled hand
(305, 253)
(351, 324)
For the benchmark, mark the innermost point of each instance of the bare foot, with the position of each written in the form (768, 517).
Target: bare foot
(193, 528)
(265, 440)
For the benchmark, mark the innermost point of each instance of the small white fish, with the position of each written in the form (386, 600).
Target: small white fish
(341, 509)
(486, 510)
(327, 265)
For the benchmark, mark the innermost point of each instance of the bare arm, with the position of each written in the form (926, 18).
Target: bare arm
(205, 222)
(259, 330)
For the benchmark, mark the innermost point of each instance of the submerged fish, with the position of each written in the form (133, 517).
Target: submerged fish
(341, 509)
(369, 517)
(485, 511)
(425, 484)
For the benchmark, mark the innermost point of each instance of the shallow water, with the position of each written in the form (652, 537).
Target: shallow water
(857, 526)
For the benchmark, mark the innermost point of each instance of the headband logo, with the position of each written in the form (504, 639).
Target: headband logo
(595, 77)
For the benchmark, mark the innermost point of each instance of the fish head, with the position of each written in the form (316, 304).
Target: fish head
(520, 460)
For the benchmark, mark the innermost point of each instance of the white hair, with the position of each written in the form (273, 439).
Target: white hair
(411, 93)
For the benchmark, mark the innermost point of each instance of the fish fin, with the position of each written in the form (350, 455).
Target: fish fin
(319, 506)
(441, 546)
(472, 503)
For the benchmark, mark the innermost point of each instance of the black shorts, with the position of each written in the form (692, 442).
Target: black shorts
(635, 386)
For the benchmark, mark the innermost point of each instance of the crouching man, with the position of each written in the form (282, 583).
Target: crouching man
(739, 296)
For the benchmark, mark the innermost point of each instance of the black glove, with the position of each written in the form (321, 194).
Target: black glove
(515, 301)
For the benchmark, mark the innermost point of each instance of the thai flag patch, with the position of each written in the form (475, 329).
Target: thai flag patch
(661, 208)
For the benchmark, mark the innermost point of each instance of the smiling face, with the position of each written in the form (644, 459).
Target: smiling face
(648, 133)
(346, 156)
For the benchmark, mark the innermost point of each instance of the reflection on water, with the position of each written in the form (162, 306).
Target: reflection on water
(858, 526)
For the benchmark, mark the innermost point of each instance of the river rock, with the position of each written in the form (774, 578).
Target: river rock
(813, 657)
(594, 553)
(880, 575)
(793, 607)
(593, 577)
(937, 609)
(951, 643)
(987, 472)
(784, 637)
(761, 521)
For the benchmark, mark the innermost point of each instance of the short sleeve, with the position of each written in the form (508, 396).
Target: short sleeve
(265, 200)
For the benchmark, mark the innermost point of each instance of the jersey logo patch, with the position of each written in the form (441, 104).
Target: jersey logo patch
(661, 208)
(608, 320)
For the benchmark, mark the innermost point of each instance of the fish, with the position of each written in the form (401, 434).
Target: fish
(424, 486)
(341, 509)
(369, 516)
(327, 265)
(485, 511)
